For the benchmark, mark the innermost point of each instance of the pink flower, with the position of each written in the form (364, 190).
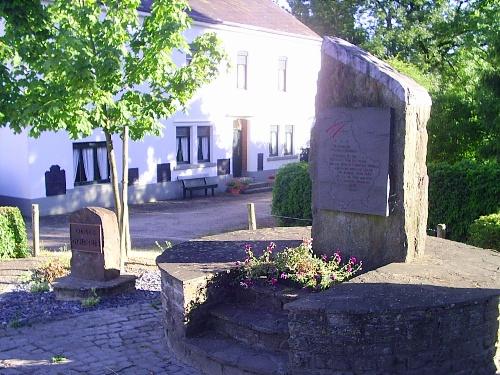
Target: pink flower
(273, 281)
(248, 248)
(349, 268)
(352, 260)
(283, 276)
(324, 258)
(337, 257)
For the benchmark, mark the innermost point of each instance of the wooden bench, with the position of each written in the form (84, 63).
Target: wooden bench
(198, 183)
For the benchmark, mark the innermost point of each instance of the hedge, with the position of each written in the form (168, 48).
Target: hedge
(485, 232)
(292, 195)
(13, 238)
(460, 193)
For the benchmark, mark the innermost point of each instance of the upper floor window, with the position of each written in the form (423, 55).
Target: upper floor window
(241, 70)
(282, 61)
(288, 140)
(183, 144)
(90, 162)
(273, 142)
(203, 143)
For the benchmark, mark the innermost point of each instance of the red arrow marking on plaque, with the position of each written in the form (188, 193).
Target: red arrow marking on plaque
(334, 130)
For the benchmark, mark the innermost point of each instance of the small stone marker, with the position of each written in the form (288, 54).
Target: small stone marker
(95, 246)
(95, 257)
(367, 162)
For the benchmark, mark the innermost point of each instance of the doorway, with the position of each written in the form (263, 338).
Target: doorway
(240, 130)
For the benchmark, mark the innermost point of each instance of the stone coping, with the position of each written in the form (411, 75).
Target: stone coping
(448, 273)
(219, 253)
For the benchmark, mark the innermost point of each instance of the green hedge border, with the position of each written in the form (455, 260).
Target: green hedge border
(13, 237)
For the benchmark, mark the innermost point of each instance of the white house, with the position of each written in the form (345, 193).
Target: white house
(251, 120)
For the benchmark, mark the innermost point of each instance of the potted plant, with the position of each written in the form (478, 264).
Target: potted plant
(234, 186)
(244, 182)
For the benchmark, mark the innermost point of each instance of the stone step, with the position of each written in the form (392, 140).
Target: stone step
(270, 298)
(258, 328)
(252, 190)
(218, 355)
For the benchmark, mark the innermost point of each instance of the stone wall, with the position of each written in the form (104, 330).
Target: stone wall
(437, 315)
(352, 78)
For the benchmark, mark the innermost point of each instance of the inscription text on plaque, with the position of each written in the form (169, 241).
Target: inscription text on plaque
(86, 237)
(353, 160)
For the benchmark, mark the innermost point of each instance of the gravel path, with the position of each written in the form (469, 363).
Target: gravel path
(21, 307)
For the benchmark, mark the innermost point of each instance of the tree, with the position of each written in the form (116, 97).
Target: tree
(449, 46)
(82, 65)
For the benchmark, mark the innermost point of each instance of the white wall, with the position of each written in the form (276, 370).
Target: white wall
(217, 105)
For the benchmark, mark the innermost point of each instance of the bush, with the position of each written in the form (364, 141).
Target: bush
(485, 232)
(13, 238)
(459, 193)
(292, 195)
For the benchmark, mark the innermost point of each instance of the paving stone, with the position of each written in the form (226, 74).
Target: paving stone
(135, 346)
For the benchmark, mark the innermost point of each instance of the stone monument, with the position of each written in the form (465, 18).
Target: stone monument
(368, 150)
(95, 256)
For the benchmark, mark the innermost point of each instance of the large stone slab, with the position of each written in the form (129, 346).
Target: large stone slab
(95, 245)
(373, 206)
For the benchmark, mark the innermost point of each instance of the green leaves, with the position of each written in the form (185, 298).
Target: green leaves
(94, 64)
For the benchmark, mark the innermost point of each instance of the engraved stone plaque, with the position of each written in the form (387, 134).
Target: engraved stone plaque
(353, 160)
(86, 237)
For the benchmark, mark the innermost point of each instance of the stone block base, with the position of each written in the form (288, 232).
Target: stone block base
(69, 288)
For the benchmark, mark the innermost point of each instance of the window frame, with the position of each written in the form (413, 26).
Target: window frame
(94, 145)
(178, 138)
(282, 70)
(274, 129)
(244, 86)
(205, 129)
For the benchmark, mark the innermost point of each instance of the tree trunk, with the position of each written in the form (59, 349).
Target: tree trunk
(116, 188)
(114, 176)
(124, 234)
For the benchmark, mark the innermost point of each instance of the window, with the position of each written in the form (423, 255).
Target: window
(288, 140)
(282, 74)
(183, 145)
(90, 162)
(203, 143)
(273, 144)
(241, 70)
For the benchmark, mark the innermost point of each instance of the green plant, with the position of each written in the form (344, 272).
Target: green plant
(39, 286)
(460, 193)
(92, 300)
(298, 266)
(485, 232)
(292, 195)
(13, 237)
(58, 358)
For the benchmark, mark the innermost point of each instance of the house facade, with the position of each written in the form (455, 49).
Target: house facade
(254, 118)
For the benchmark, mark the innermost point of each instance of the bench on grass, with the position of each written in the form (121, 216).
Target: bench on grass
(198, 183)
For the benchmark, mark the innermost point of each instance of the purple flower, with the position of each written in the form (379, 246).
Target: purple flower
(349, 268)
(283, 276)
(337, 257)
(248, 248)
(324, 258)
(353, 260)
(273, 281)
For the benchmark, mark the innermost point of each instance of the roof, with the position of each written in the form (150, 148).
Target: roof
(263, 14)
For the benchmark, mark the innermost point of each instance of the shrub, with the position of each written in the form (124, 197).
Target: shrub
(298, 266)
(13, 238)
(485, 232)
(459, 193)
(292, 195)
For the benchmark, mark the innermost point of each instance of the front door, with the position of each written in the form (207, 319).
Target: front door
(239, 147)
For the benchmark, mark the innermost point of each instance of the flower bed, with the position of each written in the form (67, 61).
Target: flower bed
(297, 266)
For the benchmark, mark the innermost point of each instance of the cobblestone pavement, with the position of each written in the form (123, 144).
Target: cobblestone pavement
(124, 340)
